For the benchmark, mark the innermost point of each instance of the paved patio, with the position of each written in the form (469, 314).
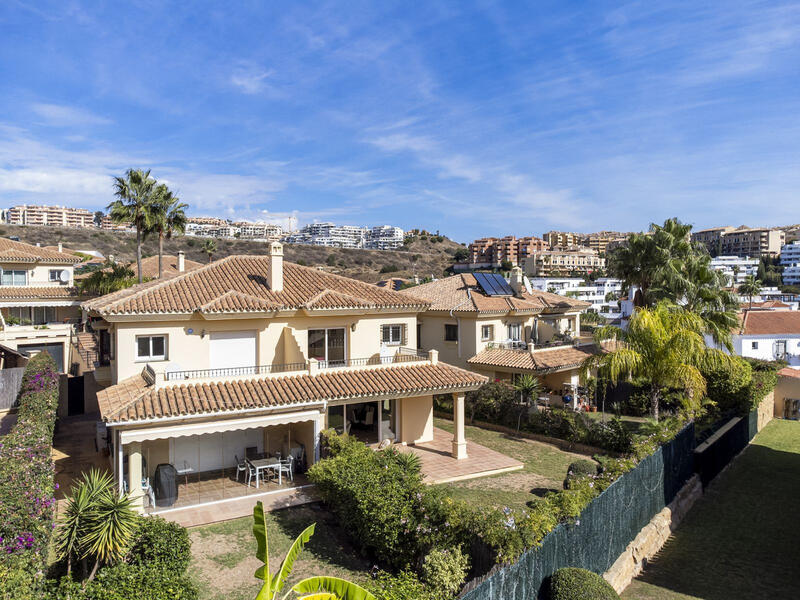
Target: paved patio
(74, 450)
(439, 466)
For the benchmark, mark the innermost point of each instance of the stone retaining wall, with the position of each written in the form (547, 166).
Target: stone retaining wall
(652, 537)
(766, 410)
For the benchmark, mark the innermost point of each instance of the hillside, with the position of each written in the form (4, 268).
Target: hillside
(423, 257)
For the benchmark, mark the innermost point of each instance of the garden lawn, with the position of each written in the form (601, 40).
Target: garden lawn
(741, 538)
(223, 554)
(545, 468)
(633, 424)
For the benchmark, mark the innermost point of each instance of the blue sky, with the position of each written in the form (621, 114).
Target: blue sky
(485, 118)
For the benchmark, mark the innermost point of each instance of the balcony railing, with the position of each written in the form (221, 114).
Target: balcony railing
(403, 355)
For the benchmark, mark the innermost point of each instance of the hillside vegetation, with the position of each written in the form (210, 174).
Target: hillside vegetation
(424, 256)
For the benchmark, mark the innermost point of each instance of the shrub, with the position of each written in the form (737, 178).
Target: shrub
(402, 586)
(580, 468)
(445, 571)
(389, 268)
(579, 584)
(161, 544)
(765, 378)
(728, 385)
(26, 470)
(610, 435)
(485, 403)
(134, 582)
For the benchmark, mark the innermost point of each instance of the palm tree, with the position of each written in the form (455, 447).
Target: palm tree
(750, 287)
(210, 247)
(98, 522)
(111, 278)
(133, 205)
(664, 346)
(311, 588)
(529, 388)
(168, 218)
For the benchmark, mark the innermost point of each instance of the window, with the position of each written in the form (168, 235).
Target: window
(151, 347)
(515, 332)
(487, 332)
(754, 345)
(392, 334)
(326, 345)
(450, 333)
(35, 315)
(14, 277)
(780, 349)
(55, 275)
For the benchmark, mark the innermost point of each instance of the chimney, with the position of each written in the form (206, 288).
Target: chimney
(60, 247)
(181, 261)
(516, 282)
(276, 267)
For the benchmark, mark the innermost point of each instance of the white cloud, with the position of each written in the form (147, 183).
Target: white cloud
(59, 115)
(250, 80)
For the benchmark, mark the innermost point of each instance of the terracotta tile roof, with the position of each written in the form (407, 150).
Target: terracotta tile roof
(461, 293)
(11, 251)
(150, 266)
(134, 400)
(769, 322)
(240, 284)
(789, 372)
(542, 360)
(767, 304)
(51, 292)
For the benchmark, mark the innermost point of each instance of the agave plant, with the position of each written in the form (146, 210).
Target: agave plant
(312, 588)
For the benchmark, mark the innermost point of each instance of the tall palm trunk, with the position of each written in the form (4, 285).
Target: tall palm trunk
(655, 396)
(160, 253)
(139, 252)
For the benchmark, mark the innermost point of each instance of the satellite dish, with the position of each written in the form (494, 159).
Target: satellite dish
(64, 276)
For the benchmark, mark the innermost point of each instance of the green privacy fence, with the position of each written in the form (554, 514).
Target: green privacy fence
(604, 528)
(729, 439)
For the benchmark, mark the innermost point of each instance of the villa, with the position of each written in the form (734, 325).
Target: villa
(39, 303)
(501, 329)
(219, 371)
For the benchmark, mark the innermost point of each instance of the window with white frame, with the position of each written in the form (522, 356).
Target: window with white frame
(754, 345)
(487, 333)
(515, 332)
(54, 275)
(151, 347)
(12, 277)
(392, 335)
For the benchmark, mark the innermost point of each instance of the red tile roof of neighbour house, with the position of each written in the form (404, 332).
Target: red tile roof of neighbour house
(135, 400)
(240, 284)
(767, 304)
(461, 293)
(769, 322)
(541, 360)
(15, 252)
(789, 372)
(150, 267)
(52, 292)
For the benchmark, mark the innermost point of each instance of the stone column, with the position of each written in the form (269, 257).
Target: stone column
(135, 475)
(459, 440)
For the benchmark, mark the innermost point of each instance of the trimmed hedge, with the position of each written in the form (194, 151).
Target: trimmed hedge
(26, 472)
(127, 582)
(161, 544)
(579, 584)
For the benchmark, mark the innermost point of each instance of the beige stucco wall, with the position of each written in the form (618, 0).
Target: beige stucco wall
(416, 419)
(788, 387)
(39, 275)
(155, 452)
(279, 340)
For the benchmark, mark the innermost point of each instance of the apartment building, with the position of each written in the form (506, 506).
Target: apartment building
(603, 294)
(384, 237)
(599, 242)
(735, 268)
(258, 231)
(56, 216)
(711, 238)
(109, 225)
(752, 242)
(561, 262)
(39, 303)
(491, 252)
(501, 328)
(563, 239)
(251, 357)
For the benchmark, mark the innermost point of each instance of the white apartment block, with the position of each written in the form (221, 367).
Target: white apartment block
(593, 292)
(385, 237)
(735, 268)
(790, 254)
(259, 231)
(56, 216)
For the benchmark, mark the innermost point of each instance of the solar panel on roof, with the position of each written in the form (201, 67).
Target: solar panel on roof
(493, 284)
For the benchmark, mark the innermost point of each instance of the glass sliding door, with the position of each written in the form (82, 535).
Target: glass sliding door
(327, 346)
(388, 429)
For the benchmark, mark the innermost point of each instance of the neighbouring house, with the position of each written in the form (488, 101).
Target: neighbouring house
(768, 335)
(171, 266)
(39, 303)
(787, 394)
(502, 329)
(249, 356)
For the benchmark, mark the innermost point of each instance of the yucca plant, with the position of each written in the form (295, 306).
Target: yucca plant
(311, 588)
(74, 523)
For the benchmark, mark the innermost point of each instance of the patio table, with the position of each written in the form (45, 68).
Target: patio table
(262, 464)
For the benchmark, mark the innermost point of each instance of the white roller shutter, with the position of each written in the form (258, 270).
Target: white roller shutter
(233, 350)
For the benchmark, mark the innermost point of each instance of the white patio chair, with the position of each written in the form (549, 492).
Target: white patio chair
(251, 472)
(241, 466)
(287, 466)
